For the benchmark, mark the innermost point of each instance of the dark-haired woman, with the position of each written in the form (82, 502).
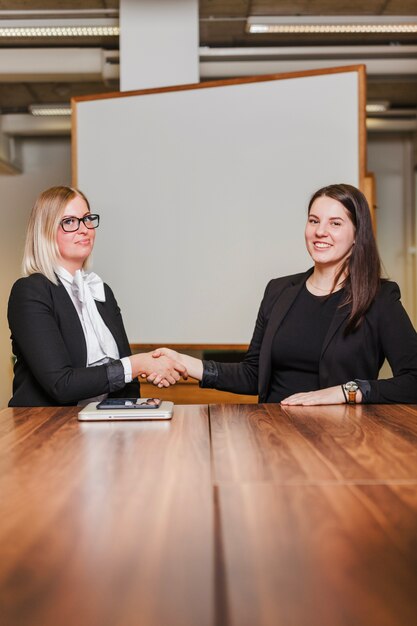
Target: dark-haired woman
(322, 336)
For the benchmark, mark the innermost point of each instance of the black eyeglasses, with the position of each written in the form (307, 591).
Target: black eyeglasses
(71, 224)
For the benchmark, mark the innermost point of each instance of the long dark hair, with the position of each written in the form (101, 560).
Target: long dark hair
(363, 266)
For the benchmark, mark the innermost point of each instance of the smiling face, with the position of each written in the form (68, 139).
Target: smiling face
(329, 233)
(74, 248)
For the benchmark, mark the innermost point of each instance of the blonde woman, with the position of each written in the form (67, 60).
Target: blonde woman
(66, 327)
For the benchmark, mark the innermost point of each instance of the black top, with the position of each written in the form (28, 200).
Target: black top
(385, 332)
(298, 342)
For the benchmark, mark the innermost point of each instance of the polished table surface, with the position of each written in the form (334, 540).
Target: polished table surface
(227, 515)
(105, 524)
(318, 513)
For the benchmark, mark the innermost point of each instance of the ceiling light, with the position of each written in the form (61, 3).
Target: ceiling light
(60, 28)
(328, 25)
(60, 31)
(50, 109)
(44, 13)
(377, 107)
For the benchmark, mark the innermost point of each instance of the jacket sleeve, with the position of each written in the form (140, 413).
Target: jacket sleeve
(240, 377)
(37, 335)
(399, 344)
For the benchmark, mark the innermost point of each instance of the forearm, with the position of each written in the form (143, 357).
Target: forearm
(329, 395)
(395, 390)
(194, 366)
(233, 377)
(70, 385)
(60, 380)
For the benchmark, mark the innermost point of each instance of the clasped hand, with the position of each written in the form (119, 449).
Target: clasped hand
(165, 368)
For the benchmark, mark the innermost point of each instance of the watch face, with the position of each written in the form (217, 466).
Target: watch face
(351, 386)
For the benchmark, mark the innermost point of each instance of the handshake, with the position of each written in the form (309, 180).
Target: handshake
(164, 367)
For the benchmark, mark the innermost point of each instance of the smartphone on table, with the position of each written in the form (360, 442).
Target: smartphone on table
(129, 403)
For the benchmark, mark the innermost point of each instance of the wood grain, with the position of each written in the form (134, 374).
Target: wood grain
(362, 127)
(218, 83)
(227, 347)
(302, 516)
(310, 445)
(188, 392)
(370, 192)
(319, 555)
(105, 523)
(74, 146)
(317, 510)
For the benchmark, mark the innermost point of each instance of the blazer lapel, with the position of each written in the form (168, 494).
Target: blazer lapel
(278, 313)
(338, 319)
(69, 313)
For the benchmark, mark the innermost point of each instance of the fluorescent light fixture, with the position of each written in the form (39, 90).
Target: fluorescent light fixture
(50, 109)
(328, 25)
(42, 13)
(60, 28)
(60, 31)
(377, 107)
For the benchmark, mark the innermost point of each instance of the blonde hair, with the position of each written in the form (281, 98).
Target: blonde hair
(41, 254)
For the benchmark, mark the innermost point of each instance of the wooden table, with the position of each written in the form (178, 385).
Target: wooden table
(229, 515)
(105, 524)
(318, 514)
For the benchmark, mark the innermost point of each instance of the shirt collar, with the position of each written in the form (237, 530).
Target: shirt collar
(64, 274)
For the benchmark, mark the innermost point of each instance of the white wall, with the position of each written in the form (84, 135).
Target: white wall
(158, 43)
(45, 162)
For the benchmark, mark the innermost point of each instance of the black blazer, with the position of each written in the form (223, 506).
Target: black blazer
(49, 344)
(386, 332)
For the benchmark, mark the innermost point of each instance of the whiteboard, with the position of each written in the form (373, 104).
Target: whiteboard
(203, 192)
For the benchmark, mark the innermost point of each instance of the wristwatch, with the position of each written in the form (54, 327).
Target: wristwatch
(351, 388)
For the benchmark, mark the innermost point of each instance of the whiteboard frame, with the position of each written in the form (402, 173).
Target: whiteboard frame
(362, 174)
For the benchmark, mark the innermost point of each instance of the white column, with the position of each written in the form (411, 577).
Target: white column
(159, 42)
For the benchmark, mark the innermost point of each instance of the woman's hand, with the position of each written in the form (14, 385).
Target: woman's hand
(172, 354)
(330, 395)
(165, 371)
(194, 367)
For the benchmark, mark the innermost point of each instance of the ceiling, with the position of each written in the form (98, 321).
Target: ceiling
(222, 27)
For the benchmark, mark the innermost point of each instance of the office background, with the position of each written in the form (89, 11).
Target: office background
(162, 43)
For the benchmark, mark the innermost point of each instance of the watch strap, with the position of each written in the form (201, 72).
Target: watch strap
(352, 396)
